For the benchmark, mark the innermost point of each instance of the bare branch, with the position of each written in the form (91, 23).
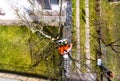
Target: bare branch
(116, 45)
(112, 42)
(103, 41)
(93, 36)
(47, 36)
(29, 16)
(114, 49)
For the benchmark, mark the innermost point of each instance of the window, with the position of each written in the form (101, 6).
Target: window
(46, 4)
(54, 2)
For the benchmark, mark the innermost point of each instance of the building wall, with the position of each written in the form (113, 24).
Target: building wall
(8, 14)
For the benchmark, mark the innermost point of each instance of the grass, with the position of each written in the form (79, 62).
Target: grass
(82, 30)
(15, 52)
(20, 49)
(10, 47)
(93, 41)
(110, 13)
(113, 58)
(110, 28)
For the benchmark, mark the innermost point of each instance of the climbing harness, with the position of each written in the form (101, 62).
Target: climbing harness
(64, 49)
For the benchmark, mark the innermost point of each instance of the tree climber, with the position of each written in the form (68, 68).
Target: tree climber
(108, 74)
(64, 47)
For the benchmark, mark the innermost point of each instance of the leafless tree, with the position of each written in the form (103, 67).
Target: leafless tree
(32, 17)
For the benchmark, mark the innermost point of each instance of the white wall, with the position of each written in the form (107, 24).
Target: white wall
(23, 6)
(6, 5)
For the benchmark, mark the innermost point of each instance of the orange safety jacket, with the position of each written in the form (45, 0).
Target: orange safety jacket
(64, 48)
